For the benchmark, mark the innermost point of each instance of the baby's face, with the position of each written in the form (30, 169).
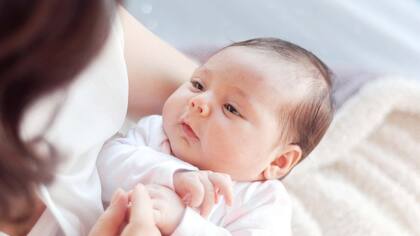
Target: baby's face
(225, 119)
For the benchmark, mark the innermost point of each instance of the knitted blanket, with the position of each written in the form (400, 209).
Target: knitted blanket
(364, 177)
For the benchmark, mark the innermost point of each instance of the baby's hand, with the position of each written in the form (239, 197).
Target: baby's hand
(202, 188)
(168, 208)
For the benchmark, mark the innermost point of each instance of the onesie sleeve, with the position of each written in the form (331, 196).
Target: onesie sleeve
(125, 161)
(266, 213)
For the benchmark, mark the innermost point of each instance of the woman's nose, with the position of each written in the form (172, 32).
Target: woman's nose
(200, 106)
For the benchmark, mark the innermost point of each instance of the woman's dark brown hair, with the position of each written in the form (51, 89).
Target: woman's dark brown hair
(44, 44)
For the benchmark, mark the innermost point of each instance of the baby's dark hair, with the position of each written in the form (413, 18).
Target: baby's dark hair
(305, 122)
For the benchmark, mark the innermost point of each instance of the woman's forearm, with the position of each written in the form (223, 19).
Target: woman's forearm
(155, 69)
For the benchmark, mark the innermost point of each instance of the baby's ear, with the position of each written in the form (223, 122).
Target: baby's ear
(286, 159)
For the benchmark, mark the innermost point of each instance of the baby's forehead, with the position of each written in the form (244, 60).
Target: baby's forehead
(248, 59)
(261, 69)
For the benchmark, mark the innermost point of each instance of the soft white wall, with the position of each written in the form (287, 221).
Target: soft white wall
(371, 35)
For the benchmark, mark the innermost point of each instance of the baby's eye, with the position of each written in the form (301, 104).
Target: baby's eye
(197, 85)
(231, 109)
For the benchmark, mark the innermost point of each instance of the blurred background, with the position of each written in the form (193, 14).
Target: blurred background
(359, 36)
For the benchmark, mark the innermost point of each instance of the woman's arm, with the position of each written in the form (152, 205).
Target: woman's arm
(155, 69)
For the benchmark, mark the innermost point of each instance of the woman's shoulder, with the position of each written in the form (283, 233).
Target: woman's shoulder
(79, 119)
(92, 108)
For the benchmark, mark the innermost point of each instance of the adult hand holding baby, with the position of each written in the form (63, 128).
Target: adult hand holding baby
(202, 188)
(140, 221)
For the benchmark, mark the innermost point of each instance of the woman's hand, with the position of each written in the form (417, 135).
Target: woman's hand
(140, 220)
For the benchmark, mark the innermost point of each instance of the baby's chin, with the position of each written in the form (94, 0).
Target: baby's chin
(180, 152)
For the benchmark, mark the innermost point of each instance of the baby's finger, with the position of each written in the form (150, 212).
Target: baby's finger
(224, 184)
(194, 192)
(209, 196)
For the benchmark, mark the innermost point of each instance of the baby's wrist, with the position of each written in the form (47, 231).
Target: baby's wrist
(171, 227)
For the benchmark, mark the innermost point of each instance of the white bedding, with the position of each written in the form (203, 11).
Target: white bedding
(364, 177)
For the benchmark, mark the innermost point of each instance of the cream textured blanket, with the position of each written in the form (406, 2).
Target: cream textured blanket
(364, 177)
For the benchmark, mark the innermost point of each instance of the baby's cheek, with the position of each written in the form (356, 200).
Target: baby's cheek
(222, 151)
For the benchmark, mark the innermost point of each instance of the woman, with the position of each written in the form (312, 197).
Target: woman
(69, 72)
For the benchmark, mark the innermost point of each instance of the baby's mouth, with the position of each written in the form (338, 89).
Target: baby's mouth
(189, 131)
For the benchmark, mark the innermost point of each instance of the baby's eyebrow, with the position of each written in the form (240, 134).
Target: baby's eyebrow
(244, 98)
(202, 71)
(239, 91)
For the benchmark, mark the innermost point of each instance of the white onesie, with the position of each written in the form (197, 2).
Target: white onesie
(259, 208)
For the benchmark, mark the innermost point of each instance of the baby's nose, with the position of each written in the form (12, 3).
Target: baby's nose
(201, 107)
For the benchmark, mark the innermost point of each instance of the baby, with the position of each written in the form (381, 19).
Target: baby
(247, 116)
